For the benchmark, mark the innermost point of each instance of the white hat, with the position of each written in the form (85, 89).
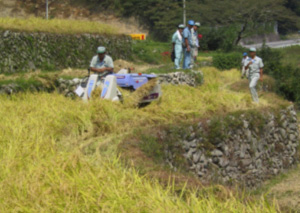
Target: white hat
(252, 49)
(197, 24)
(181, 26)
(101, 50)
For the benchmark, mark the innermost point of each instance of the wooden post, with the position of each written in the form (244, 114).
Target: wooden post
(184, 13)
(47, 9)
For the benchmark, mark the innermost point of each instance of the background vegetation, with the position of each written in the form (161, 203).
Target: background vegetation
(241, 18)
(286, 74)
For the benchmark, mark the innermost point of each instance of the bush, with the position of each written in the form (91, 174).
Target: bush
(287, 76)
(217, 39)
(271, 59)
(227, 61)
(287, 82)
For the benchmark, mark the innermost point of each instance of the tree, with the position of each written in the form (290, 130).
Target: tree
(294, 5)
(160, 16)
(241, 17)
(249, 16)
(286, 26)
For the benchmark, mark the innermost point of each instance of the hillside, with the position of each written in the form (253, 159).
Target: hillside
(65, 10)
(60, 154)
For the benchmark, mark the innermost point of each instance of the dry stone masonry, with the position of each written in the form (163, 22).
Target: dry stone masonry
(247, 148)
(20, 51)
(192, 79)
(68, 86)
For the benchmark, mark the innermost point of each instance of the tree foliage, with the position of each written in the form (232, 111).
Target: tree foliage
(285, 25)
(160, 16)
(244, 17)
(249, 16)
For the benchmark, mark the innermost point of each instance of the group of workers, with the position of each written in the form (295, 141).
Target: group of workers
(252, 65)
(186, 42)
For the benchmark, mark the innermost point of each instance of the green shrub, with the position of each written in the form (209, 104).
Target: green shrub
(218, 38)
(287, 81)
(287, 76)
(271, 59)
(228, 61)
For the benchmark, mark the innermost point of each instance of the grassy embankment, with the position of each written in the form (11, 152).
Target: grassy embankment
(59, 26)
(60, 155)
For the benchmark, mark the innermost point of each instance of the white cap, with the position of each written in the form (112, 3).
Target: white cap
(197, 24)
(181, 26)
(252, 49)
(101, 50)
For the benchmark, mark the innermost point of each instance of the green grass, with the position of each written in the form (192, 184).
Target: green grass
(151, 52)
(59, 26)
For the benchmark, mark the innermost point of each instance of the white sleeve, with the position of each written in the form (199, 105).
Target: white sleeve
(110, 63)
(261, 64)
(93, 62)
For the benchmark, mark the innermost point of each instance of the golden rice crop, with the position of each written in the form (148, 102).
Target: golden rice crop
(61, 26)
(43, 167)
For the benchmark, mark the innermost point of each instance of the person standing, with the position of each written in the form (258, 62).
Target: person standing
(244, 71)
(255, 66)
(177, 45)
(195, 43)
(187, 44)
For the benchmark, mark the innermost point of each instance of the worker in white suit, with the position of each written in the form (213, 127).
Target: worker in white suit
(177, 45)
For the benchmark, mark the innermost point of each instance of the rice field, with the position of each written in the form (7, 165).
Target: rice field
(58, 26)
(45, 166)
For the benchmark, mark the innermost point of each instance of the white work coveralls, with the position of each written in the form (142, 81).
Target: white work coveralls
(254, 75)
(177, 40)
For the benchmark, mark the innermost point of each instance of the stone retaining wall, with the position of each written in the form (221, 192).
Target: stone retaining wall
(68, 86)
(192, 79)
(21, 52)
(247, 148)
